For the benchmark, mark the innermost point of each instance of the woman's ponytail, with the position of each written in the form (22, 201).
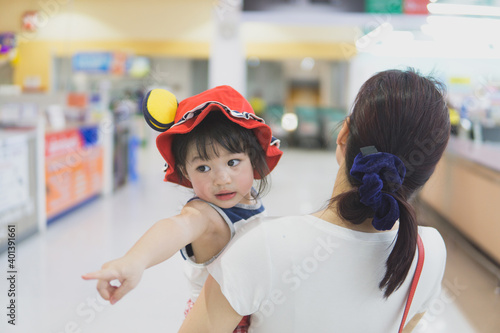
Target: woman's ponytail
(399, 261)
(350, 208)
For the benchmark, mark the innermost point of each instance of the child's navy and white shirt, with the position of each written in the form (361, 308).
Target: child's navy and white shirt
(235, 217)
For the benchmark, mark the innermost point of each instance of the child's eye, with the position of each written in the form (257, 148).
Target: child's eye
(233, 162)
(203, 168)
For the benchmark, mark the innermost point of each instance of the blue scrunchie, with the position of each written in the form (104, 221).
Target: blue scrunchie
(379, 171)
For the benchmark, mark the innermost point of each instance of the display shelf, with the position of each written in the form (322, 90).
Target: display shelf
(46, 172)
(73, 168)
(19, 187)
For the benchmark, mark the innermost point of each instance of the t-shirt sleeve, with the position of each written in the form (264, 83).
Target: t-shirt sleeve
(435, 259)
(243, 270)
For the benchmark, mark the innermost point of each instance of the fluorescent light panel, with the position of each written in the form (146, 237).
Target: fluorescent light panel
(455, 9)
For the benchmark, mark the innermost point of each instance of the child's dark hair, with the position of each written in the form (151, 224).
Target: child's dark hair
(217, 128)
(405, 114)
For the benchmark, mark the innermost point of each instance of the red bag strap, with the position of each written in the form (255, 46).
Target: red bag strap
(414, 282)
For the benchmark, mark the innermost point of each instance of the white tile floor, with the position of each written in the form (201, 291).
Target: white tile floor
(52, 298)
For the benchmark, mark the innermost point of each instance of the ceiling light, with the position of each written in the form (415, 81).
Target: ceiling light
(289, 122)
(454, 9)
(307, 64)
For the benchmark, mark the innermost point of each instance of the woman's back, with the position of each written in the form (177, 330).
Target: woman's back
(308, 275)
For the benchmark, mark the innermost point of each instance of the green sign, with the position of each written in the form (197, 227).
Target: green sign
(384, 6)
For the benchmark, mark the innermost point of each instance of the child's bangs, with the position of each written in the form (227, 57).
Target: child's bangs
(231, 139)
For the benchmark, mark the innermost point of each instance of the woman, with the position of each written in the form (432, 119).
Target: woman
(347, 268)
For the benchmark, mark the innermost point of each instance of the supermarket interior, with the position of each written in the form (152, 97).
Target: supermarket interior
(81, 178)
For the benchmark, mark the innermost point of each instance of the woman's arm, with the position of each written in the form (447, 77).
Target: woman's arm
(211, 312)
(159, 243)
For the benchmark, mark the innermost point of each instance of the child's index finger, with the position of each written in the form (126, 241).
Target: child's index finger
(90, 276)
(100, 275)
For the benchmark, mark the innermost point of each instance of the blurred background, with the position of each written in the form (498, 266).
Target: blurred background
(80, 178)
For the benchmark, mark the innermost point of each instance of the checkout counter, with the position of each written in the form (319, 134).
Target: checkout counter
(465, 190)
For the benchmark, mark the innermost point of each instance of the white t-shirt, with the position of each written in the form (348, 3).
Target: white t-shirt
(303, 274)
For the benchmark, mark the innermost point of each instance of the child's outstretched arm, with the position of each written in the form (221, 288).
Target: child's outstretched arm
(198, 223)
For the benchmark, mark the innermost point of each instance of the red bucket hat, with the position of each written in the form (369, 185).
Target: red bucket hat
(163, 113)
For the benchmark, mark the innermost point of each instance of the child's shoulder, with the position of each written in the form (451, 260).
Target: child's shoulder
(202, 209)
(201, 215)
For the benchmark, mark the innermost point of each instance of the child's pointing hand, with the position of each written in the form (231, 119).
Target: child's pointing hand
(116, 278)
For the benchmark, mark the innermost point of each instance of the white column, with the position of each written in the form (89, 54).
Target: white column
(227, 63)
(40, 173)
(106, 136)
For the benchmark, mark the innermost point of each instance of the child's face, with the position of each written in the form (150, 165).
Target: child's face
(223, 180)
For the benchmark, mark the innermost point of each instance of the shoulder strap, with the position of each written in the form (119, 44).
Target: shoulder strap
(414, 282)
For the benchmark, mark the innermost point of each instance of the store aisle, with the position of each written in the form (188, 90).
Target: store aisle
(52, 298)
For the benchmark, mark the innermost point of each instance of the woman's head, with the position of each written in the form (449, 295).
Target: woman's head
(404, 114)
(217, 135)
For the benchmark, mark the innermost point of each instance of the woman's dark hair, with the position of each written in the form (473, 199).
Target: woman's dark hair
(217, 128)
(405, 114)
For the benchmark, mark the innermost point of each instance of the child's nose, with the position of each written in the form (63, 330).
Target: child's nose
(222, 177)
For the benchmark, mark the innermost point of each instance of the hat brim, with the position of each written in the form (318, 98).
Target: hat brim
(261, 131)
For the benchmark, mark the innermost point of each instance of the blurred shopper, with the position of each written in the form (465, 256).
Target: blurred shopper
(349, 267)
(217, 147)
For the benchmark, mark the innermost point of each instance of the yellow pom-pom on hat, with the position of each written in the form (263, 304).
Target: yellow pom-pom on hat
(159, 107)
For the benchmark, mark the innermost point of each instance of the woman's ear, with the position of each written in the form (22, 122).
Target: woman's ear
(344, 133)
(341, 142)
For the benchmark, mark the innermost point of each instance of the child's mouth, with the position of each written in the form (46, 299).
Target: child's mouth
(225, 196)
